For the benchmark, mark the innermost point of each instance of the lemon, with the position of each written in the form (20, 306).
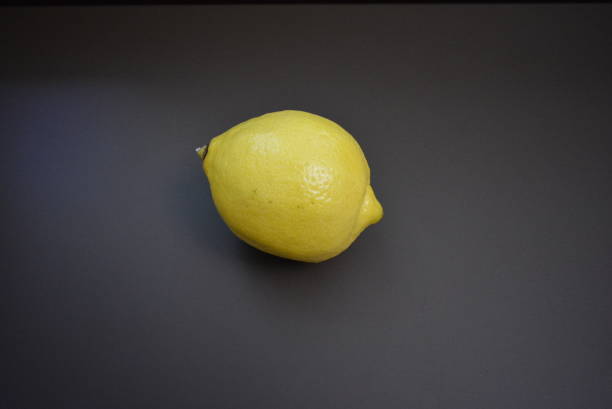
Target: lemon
(292, 184)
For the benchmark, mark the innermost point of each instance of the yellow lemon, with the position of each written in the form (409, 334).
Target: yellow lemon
(292, 184)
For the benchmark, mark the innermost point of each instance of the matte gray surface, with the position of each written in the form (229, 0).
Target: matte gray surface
(486, 285)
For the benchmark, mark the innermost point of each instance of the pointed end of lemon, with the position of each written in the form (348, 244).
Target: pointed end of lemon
(201, 151)
(375, 210)
(371, 210)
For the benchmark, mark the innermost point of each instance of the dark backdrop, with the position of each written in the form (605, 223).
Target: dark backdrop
(486, 285)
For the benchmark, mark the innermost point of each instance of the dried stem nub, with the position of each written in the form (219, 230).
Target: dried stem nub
(201, 151)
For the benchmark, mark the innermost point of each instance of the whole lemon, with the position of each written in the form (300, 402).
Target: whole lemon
(292, 184)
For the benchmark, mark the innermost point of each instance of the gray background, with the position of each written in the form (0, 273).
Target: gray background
(486, 285)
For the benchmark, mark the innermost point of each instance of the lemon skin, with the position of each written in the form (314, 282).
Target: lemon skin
(292, 184)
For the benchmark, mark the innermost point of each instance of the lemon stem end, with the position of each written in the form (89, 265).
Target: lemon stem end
(201, 151)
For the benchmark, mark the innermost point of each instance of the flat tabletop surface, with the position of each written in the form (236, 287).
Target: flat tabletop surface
(486, 285)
